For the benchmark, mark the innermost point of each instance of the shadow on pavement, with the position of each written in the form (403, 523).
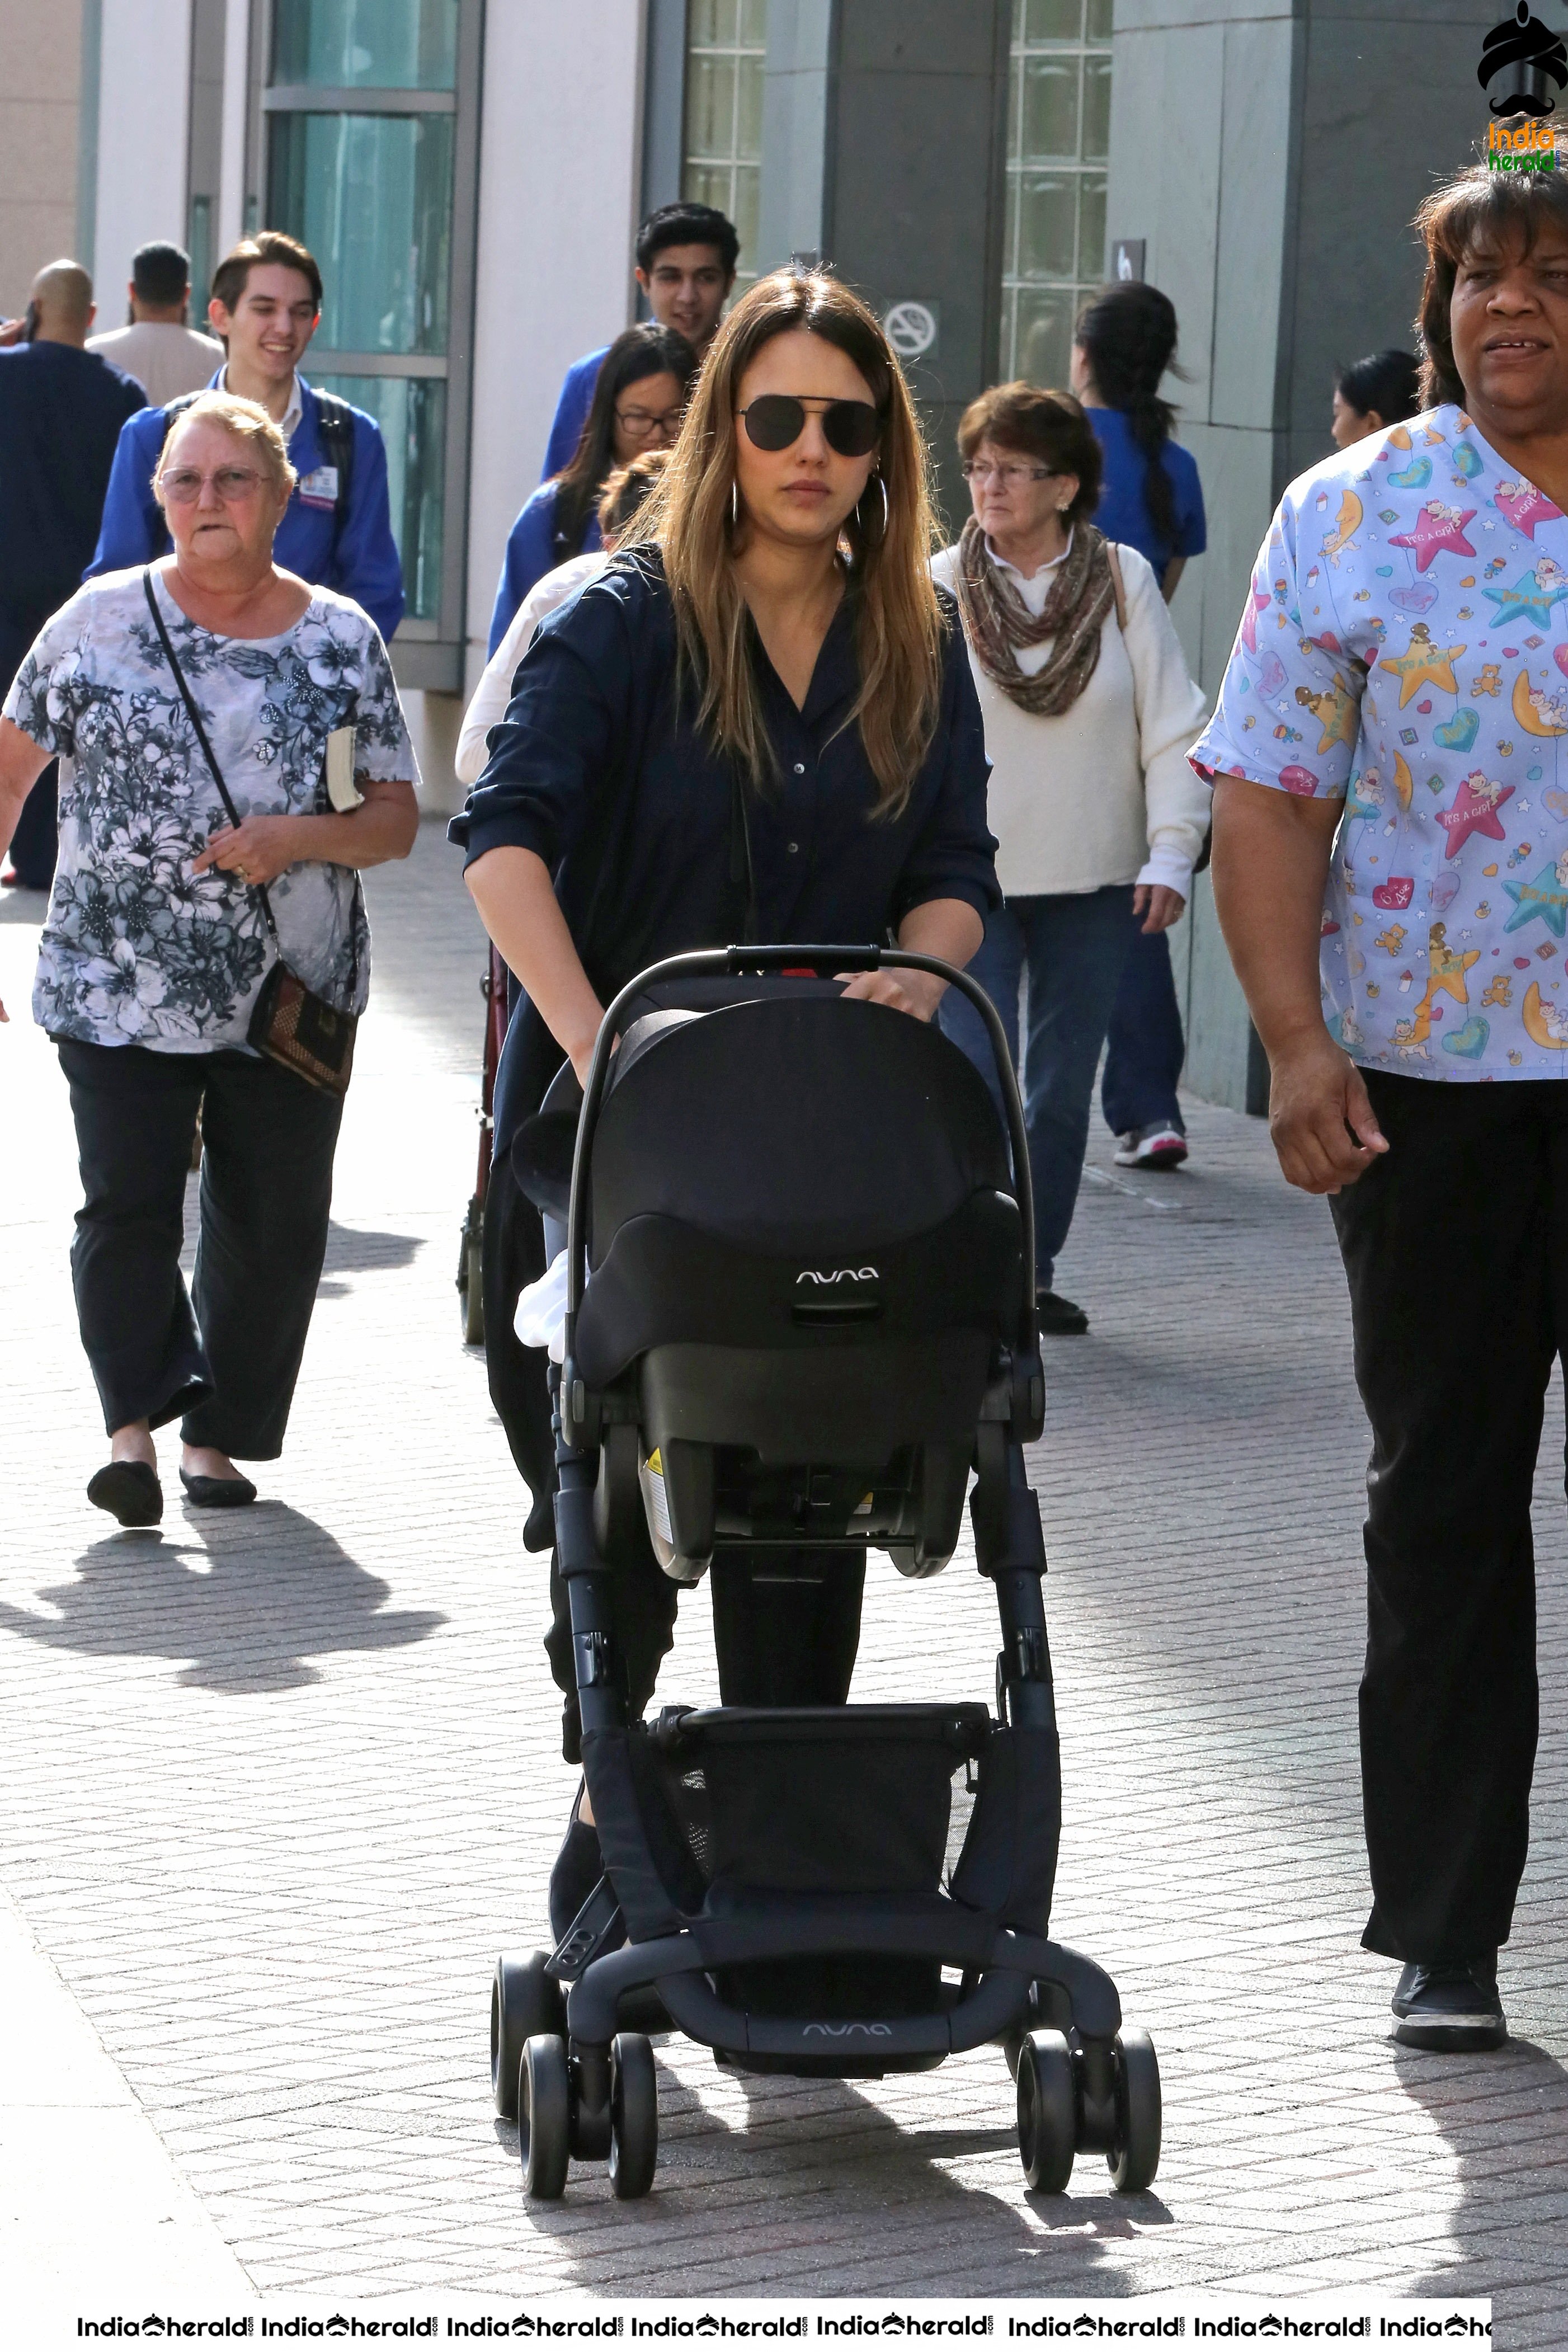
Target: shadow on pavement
(1505, 2115)
(900, 2223)
(351, 1249)
(246, 1600)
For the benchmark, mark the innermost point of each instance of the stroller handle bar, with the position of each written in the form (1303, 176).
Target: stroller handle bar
(713, 963)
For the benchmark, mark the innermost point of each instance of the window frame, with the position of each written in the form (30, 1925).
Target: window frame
(1017, 165)
(426, 654)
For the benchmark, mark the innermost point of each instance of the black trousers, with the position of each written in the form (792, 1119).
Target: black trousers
(1456, 1246)
(229, 1368)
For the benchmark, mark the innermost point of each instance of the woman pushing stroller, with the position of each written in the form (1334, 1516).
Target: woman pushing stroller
(759, 721)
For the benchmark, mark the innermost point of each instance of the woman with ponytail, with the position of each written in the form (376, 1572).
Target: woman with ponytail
(756, 721)
(1150, 498)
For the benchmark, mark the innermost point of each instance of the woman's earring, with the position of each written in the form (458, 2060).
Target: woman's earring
(734, 504)
(881, 477)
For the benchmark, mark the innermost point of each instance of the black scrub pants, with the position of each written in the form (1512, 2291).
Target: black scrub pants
(1456, 1248)
(229, 1368)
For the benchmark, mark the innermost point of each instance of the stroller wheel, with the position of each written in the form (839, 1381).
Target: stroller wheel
(634, 2115)
(544, 2115)
(1135, 2158)
(1048, 2111)
(471, 1289)
(523, 2000)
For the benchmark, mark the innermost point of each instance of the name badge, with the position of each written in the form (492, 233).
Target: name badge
(319, 488)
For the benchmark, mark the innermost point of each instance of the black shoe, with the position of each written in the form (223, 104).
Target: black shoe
(129, 1491)
(578, 1867)
(218, 1493)
(1450, 2007)
(1059, 1317)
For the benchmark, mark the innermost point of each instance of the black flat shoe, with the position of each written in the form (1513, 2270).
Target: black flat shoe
(129, 1491)
(218, 1493)
(1450, 2007)
(1060, 1318)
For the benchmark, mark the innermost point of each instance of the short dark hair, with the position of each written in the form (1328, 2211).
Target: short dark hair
(1386, 383)
(160, 273)
(688, 224)
(1477, 211)
(1049, 426)
(270, 246)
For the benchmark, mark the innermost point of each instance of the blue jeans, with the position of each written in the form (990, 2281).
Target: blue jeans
(1144, 1048)
(1072, 949)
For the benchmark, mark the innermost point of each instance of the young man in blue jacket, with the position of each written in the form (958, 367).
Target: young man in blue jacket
(337, 532)
(686, 256)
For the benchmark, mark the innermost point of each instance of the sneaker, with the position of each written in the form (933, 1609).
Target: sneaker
(1454, 2007)
(1160, 1146)
(1059, 1317)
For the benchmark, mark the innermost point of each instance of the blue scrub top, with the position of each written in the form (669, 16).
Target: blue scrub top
(360, 561)
(605, 774)
(571, 413)
(1123, 513)
(531, 551)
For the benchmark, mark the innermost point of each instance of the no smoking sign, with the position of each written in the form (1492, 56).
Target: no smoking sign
(913, 328)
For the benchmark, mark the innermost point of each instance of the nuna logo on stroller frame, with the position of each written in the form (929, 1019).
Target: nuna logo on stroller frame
(843, 1274)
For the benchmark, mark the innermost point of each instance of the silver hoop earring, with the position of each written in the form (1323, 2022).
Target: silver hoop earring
(734, 504)
(883, 480)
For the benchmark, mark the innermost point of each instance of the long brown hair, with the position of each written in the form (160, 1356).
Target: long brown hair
(898, 622)
(1477, 211)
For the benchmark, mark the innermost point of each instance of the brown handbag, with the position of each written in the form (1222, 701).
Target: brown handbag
(290, 1023)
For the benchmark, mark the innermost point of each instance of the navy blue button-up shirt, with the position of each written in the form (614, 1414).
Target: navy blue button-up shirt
(601, 770)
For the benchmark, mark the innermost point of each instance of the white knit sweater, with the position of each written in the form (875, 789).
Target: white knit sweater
(1103, 793)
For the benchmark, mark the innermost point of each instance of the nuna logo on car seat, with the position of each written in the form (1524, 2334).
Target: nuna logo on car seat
(837, 2032)
(839, 1274)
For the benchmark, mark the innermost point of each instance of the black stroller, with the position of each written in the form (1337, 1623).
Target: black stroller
(798, 1314)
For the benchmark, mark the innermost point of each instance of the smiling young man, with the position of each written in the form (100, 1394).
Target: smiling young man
(1390, 761)
(686, 256)
(336, 530)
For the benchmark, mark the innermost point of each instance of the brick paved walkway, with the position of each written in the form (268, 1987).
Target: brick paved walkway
(276, 1788)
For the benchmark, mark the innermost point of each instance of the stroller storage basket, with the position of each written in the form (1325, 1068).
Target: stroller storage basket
(820, 1801)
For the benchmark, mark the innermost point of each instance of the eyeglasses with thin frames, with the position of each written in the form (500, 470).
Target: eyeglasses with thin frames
(184, 486)
(981, 470)
(641, 423)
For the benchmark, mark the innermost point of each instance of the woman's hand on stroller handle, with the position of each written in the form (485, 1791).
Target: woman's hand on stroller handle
(948, 928)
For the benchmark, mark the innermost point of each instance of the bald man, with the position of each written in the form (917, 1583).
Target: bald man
(61, 409)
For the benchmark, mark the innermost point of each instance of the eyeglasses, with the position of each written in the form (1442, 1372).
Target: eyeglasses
(641, 423)
(182, 487)
(980, 470)
(777, 419)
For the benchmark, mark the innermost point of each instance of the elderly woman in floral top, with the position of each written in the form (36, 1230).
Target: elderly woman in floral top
(157, 944)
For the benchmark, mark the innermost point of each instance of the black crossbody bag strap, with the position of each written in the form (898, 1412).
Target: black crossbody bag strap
(195, 718)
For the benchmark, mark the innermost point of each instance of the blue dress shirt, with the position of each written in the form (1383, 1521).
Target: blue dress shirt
(603, 772)
(360, 561)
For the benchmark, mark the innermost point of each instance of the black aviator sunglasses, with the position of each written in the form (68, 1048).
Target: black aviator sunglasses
(776, 420)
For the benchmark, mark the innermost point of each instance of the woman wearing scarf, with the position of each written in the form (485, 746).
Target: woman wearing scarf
(1089, 712)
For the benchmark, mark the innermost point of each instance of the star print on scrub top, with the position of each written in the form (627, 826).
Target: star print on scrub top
(1439, 529)
(1411, 599)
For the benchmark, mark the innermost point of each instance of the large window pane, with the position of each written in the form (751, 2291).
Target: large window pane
(1055, 20)
(710, 107)
(371, 195)
(412, 414)
(1044, 338)
(1096, 108)
(365, 43)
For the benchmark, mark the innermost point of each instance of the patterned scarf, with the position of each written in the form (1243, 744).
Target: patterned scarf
(997, 619)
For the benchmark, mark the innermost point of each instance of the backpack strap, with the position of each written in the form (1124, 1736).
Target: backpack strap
(335, 426)
(1116, 582)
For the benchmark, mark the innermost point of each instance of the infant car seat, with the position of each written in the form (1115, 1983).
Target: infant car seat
(799, 1314)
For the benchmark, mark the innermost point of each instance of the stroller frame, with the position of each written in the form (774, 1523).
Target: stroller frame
(568, 2056)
